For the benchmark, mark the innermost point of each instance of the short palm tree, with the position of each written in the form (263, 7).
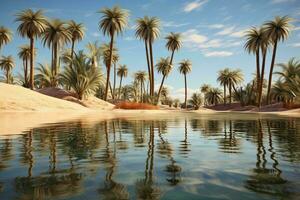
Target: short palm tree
(45, 76)
(113, 22)
(235, 78)
(277, 30)
(204, 89)
(95, 52)
(147, 29)
(196, 100)
(173, 44)
(6, 64)
(56, 35)
(77, 33)
(24, 55)
(122, 72)
(214, 96)
(82, 78)
(282, 93)
(185, 67)
(32, 25)
(5, 36)
(164, 67)
(223, 79)
(140, 77)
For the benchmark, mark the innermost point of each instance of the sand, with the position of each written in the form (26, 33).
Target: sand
(22, 109)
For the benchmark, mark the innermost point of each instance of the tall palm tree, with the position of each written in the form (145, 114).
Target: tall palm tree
(122, 72)
(32, 25)
(148, 30)
(185, 67)
(77, 33)
(254, 40)
(5, 36)
(6, 64)
(140, 77)
(277, 30)
(24, 55)
(265, 42)
(113, 22)
(55, 36)
(173, 44)
(223, 78)
(164, 67)
(95, 52)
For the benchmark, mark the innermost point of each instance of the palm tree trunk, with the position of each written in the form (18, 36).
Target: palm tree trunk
(160, 87)
(25, 71)
(271, 71)
(262, 77)
(224, 94)
(7, 74)
(120, 85)
(171, 60)
(230, 93)
(141, 92)
(108, 67)
(55, 58)
(185, 92)
(148, 64)
(115, 78)
(257, 75)
(152, 69)
(31, 63)
(72, 52)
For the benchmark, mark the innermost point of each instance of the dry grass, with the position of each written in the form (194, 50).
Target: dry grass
(136, 106)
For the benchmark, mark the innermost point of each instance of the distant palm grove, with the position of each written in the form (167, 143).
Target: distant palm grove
(81, 71)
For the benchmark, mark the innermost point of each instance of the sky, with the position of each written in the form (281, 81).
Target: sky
(212, 33)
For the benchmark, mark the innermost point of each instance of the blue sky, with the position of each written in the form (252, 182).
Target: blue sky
(212, 33)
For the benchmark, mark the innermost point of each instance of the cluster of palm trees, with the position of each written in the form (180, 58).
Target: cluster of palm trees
(259, 40)
(56, 34)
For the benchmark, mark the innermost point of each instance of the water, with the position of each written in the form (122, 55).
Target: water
(218, 156)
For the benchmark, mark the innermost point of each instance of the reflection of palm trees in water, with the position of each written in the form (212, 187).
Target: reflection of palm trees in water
(263, 179)
(111, 189)
(184, 144)
(145, 188)
(229, 144)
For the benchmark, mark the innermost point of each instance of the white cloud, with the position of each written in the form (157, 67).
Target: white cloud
(232, 31)
(211, 44)
(192, 37)
(129, 38)
(194, 5)
(96, 34)
(226, 31)
(216, 26)
(240, 33)
(281, 1)
(296, 28)
(295, 45)
(218, 54)
(173, 24)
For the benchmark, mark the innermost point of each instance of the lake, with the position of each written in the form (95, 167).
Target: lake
(188, 156)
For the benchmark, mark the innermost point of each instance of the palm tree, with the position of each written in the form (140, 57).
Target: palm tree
(32, 25)
(122, 72)
(83, 78)
(6, 64)
(45, 76)
(173, 44)
(235, 77)
(24, 55)
(148, 30)
(281, 92)
(196, 100)
(204, 89)
(95, 52)
(253, 45)
(140, 77)
(214, 96)
(277, 30)
(5, 36)
(223, 78)
(164, 67)
(55, 36)
(113, 22)
(185, 67)
(77, 33)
